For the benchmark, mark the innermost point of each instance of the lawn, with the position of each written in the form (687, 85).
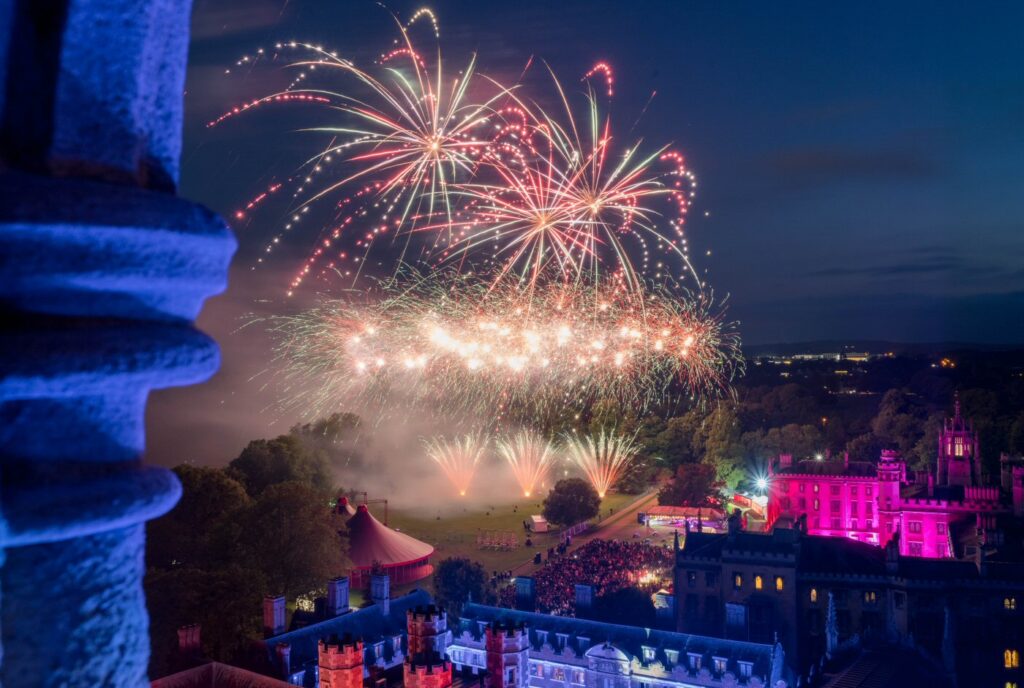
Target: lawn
(455, 534)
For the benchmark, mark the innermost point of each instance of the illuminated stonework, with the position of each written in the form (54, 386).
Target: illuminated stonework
(945, 514)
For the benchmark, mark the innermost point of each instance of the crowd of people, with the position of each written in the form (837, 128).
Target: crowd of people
(608, 565)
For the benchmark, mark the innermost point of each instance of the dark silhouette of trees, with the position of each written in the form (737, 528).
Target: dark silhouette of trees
(630, 606)
(692, 485)
(285, 458)
(456, 581)
(571, 500)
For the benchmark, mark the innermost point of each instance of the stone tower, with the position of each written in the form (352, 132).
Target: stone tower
(892, 473)
(102, 271)
(426, 630)
(341, 662)
(958, 462)
(430, 670)
(380, 591)
(507, 647)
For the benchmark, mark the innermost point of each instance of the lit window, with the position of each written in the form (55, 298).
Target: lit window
(648, 653)
(940, 528)
(1010, 684)
(915, 526)
(817, 505)
(1011, 659)
(867, 491)
(719, 665)
(1010, 604)
(695, 660)
(737, 581)
(870, 597)
(746, 669)
(778, 583)
(816, 487)
(758, 582)
(814, 595)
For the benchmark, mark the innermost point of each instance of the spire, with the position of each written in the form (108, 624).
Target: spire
(956, 406)
(831, 627)
(948, 646)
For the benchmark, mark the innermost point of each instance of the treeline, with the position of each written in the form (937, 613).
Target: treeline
(888, 403)
(262, 525)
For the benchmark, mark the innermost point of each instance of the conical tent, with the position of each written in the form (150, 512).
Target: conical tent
(371, 543)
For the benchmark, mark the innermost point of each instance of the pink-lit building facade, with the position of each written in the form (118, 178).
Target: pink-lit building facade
(942, 514)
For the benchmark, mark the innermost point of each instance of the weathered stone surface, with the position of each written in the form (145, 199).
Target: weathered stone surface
(101, 272)
(84, 248)
(74, 613)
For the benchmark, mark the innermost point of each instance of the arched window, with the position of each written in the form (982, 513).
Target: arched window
(758, 582)
(779, 584)
(814, 595)
(1010, 604)
(1011, 659)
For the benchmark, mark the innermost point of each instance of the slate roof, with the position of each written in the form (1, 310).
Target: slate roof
(627, 639)
(217, 675)
(862, 469)
(368, 623)
(780, 542)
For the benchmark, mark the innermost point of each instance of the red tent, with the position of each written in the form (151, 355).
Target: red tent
(404, 558)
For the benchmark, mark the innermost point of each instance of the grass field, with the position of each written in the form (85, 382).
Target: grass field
(455, 534)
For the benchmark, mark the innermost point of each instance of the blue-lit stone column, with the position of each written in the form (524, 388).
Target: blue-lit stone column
(102, 270)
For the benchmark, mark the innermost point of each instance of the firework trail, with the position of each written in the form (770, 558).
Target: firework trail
(602, 458)
(458, 458)
(530, 457)
(483, 176)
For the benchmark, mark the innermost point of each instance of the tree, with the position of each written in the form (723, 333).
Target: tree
(224, 602)
(292, 536)
(190, 535)
(339, 436)
(676, 443)
(629, 606)
(285, 458)
(692, 486)
(456, 580)
(1016, 440)
(571, 501)
(722, 446)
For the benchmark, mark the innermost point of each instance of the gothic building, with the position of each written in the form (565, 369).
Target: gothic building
(410, 642)
(820, 595)
(947, 513)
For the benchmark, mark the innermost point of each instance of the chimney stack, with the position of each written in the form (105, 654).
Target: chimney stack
(380, 591)
(188, 639)
(584, 600)
(284, 659)
(273, 615)
(337, 596)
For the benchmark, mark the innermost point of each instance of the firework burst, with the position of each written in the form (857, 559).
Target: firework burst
(602, 458)
(458, 458)
(471, 348)
(486, 178)
(530, 457)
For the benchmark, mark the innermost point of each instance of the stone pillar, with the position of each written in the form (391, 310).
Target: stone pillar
(102, 270)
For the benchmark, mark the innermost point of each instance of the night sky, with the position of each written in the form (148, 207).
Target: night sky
(859, 163)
